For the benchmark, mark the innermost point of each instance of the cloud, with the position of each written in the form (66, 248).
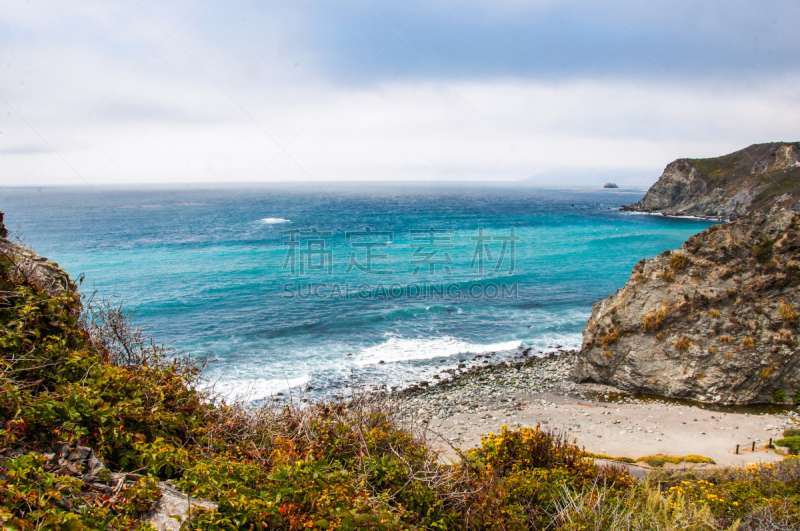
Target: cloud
(470, 90)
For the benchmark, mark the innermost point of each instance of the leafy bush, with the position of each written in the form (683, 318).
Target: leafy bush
(779, 396)
(762, 250)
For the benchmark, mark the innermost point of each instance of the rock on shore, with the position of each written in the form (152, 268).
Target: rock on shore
(715, 320)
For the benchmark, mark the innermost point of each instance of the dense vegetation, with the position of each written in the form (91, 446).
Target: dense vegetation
(70, 375)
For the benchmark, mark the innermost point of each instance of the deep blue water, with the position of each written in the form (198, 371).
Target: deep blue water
(212, 270)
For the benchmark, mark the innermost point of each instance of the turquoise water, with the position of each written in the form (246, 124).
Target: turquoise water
(240, 276)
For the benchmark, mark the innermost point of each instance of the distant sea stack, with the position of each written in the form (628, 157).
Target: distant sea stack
(759, 177)
(609, 184)
(717, 320)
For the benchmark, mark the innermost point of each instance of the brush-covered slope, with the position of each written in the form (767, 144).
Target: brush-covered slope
(728, 187)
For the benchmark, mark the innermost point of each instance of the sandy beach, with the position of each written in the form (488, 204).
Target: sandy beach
(601, 419)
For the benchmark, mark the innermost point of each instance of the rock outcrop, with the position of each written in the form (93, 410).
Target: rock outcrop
(174, 508)
(716, 320)
(36, 268)
(167, 513)
(756, 178)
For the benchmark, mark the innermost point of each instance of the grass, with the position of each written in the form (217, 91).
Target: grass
(787, 313)
(609, 337)
(683, 344)
(679, 261)
(791, 442)
(659, 460)
(652, 321)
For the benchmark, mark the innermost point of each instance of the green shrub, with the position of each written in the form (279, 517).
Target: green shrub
(779, 396)
(762, 250)
(791, 432)
(793, 443)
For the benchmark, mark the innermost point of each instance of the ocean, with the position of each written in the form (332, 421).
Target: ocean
(314, 288)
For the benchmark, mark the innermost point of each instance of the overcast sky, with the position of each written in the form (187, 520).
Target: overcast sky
(561, 92)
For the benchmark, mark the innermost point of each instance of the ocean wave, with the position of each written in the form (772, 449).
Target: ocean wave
(253, 389)
(396, 349)
(273, 221)
(552, 342)
(157, 205)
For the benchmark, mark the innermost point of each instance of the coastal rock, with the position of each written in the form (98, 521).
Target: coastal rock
(174, 503)
(716, 320)
(756, 178)
(609, 184)
(36, 268)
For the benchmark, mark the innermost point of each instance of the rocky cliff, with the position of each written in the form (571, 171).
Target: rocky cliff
(44, 272)
(727, 187)
(717, 319)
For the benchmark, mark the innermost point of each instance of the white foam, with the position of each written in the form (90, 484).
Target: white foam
(396, 349)
(258, 389)
(547, 343)
(668, 216)
(273, 221)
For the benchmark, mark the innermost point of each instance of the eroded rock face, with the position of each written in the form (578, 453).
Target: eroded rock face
(38, 269)
(729, 187)
(716, 320)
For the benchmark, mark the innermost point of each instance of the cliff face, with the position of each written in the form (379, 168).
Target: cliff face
(718, 319)
(715, 320)
(44, 272)
(728, 187)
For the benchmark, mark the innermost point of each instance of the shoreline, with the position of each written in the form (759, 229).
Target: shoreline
(455, 413)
